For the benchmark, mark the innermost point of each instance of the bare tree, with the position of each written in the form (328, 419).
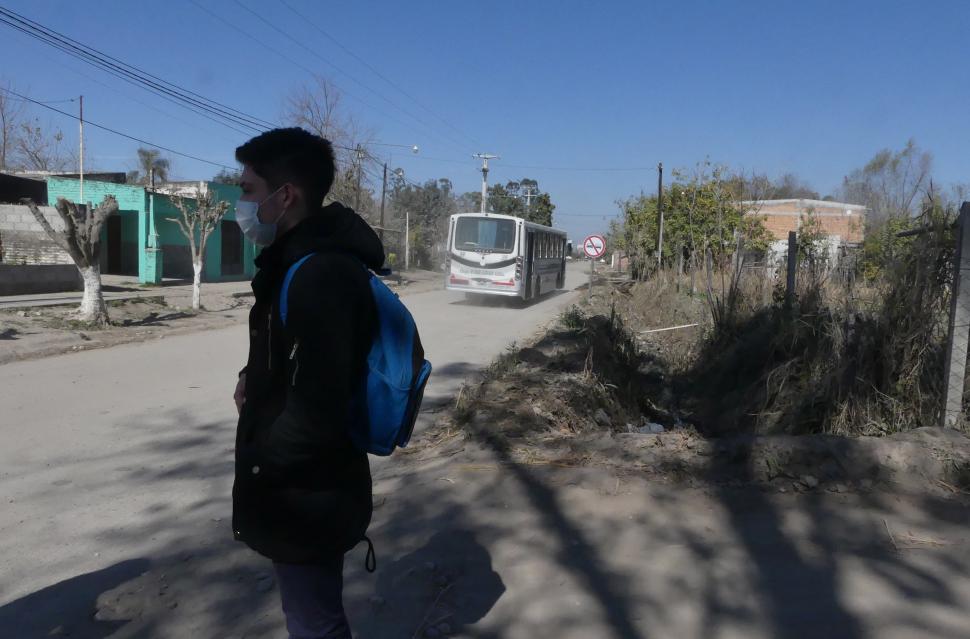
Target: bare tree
(11, 110)
(40, 150)
(889, 185)
(197, 221)
(318, 108)
(81, 238)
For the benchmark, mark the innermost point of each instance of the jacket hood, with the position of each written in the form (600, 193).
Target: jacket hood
(334, 227)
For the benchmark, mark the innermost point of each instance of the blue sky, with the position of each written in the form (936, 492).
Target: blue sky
(814, 88)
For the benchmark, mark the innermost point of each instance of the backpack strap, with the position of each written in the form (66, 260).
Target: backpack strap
(284, 305)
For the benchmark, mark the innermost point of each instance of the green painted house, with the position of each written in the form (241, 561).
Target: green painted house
(142, 240)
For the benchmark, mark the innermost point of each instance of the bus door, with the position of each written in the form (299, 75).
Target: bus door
(527, 272)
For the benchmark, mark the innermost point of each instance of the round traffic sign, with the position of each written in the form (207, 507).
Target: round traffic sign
(594, 246)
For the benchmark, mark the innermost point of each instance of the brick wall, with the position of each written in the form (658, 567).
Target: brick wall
(24, 240)
(845, 222)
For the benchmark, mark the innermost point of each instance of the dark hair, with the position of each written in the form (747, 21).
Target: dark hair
(292, 155)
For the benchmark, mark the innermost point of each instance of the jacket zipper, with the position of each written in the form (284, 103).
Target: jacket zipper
(269, 339)
(296, 367)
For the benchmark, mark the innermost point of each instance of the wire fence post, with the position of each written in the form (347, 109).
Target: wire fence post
(792, 266)
(959, 329)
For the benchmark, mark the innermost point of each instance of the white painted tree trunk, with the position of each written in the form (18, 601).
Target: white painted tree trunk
(197, 286)
(92, 308)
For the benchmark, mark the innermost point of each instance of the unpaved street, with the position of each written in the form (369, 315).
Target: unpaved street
(115, 474)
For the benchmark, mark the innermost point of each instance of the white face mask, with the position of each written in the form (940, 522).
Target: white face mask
(247, 217)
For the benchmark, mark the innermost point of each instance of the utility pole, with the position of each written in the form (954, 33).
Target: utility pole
(528, 195)
(485, 157)
(360, 168)
(81, 155)
(660, 214)
(383, 196)
(407, 240)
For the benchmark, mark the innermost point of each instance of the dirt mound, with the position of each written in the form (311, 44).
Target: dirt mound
(585, 395)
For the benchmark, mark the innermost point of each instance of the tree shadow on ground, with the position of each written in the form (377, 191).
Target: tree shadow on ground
(155, 319)
(67, 608)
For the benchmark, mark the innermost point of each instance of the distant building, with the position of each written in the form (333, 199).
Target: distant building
(842, 223)
(139, 240)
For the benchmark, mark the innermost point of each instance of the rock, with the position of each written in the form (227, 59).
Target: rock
(809, 481)
(650, 428)
(602, 418)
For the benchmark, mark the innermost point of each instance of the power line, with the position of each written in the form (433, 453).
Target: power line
(314, 53)
(115, 91)
(378, 73)
(295, 63)
(38, 26)
(116, 132)
(544, 168)
(45, 101)
(187, 99)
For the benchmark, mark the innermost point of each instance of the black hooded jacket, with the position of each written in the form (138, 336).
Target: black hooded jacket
(302, 491)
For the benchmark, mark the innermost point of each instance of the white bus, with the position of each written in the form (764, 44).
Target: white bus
(502, 255)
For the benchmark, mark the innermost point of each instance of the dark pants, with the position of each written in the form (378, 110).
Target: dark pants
(312, 597)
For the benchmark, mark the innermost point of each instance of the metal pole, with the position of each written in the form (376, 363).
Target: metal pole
(383, 197)
(81, 138)
(407, 240)
(592, 265)
(660, 213)
(484, 182)
(959, 333)
(485, 157)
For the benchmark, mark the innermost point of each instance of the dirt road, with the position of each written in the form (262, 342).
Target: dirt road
(115, 473)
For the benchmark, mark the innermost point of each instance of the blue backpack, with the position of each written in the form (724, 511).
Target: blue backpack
(387, 403)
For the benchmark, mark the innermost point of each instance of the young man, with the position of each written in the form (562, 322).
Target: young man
(302, 492)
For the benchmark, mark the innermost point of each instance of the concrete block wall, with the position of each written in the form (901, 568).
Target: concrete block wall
(25, 241)
(39, 278)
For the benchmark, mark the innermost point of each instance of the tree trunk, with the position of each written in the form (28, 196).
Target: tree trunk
(197, 286)
(93, 308)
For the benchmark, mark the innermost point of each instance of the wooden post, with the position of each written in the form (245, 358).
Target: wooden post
(959, 330)
(680, 266)
(792, 266)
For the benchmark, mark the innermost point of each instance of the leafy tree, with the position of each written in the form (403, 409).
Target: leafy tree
(227, 176)
(702, 212)
(429, 206)
(520, 198)
(150, 160)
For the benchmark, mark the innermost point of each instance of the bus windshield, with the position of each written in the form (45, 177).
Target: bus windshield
(485, 235)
